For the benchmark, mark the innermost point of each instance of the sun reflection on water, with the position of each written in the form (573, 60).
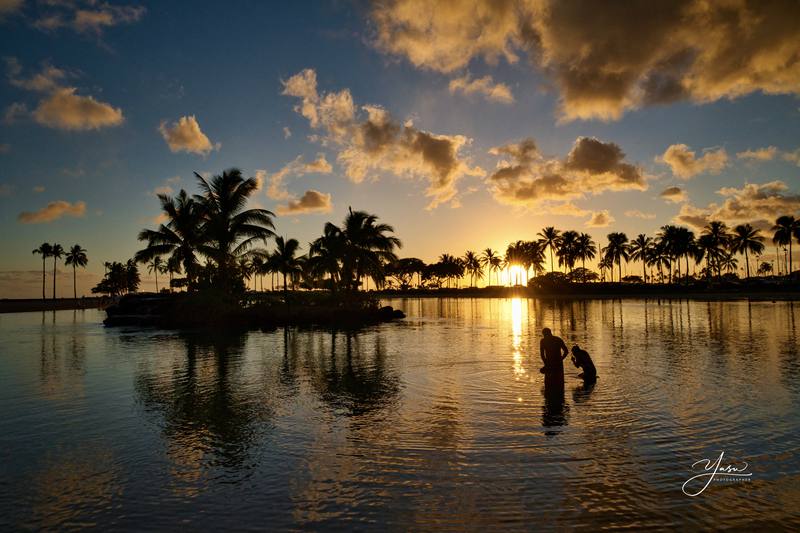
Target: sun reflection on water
(516, 337)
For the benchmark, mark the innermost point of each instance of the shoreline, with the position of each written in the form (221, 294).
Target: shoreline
(29, 305)
(789, 293)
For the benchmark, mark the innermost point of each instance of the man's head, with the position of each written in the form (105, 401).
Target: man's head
(546, 332)
(575, 349)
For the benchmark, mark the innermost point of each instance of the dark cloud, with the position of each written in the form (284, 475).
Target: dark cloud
(610, 57)
(591, 167)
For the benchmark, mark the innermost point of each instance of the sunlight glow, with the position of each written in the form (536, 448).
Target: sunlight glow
(516, 337)
(513, 275)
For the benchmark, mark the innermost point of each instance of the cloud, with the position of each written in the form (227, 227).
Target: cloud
(759, 154)
(568, 209)
(87, 17)
(684, 50)
(286, 132)
(635, 213)
(685, 163)
(186, 136)
(375, 142)
(47, 79)
(38, 189)
(9, 7)
(14, 112)
(600, 219)
(311, 202)
(166, 187)
(591, 167)
(53, 211)
(297, 167)
(792, 157)
(757, 204)
(66, 110)
(675, 195)
(485, 86)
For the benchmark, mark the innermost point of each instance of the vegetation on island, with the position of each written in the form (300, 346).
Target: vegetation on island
(212, 244)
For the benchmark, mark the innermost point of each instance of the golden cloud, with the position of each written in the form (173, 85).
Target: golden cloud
(186, 136)
(53, 211)
(600, 219)
(87, 17)
(378, 143)
(685, 163)
(622, 56)
(485, 86)
(757, 204)
(635, 213)
(297, 167)
(311, 202)
(759, 154)
(675, 195)
(591, 167)
(66, 110)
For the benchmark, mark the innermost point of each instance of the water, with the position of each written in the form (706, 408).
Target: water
(436, 422)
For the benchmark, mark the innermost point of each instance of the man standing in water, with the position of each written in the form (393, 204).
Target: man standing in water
(553, 352)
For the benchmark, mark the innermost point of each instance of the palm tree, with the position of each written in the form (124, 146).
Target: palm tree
(488, 259)
(284, 259)
(326, 252)
(728, 262)
(155, 266)
(639, 250)
(765, 268)
(585, 248)
(173, 267)
(472, 264)
(77, 258)
(45, 249)
(568, 250)
(550, 238)
(532, 253)
(230, 230)
(616, 251)
(179, 237)
(717, 238)
(366, 248)
(786, 228)
(56, 253)
(747, 239)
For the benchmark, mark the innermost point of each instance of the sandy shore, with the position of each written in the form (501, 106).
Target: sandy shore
(22, 306)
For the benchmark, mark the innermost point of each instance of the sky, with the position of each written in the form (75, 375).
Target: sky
(465, 125)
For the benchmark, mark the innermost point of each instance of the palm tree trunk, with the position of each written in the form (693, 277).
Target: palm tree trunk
(44, 275)
(156, 273)
(746, 262)
(74, 285)
(552, 268)
(619, 264)
(54, 277)
(790, 256)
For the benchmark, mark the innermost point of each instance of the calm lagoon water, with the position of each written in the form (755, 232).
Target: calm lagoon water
(439, 421)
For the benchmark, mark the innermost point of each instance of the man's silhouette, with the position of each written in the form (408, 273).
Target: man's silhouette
(553, 352)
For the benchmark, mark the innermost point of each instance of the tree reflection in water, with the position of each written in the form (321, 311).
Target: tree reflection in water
(353, 379)
(210, 415)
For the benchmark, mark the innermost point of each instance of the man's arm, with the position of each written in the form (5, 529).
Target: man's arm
(541, 351)
(564, 349)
